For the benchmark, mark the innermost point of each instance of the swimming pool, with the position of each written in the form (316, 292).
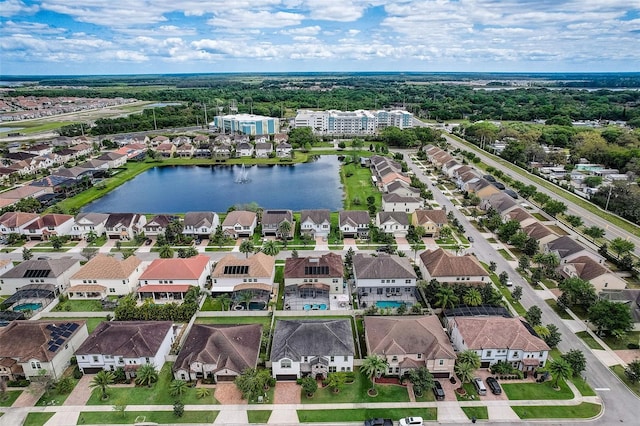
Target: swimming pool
(394, 304)
(28, 307)
(315, 307)
(257, 306)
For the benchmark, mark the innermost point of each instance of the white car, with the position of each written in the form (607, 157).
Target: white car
(411, 421)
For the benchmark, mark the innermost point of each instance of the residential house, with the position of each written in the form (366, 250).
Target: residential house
(127, 345)
(239, 274)
(354, 223)
(585, 268)
(284, 149)
(39, 149)
(221, 352)
(567, 249)
(500, 202)
(181, 140)
(48, 225)
(402, 189)
(448, 268)
(104, 276)
(157, 225)
(133, 151)
(89, 224)
(82, 149)
(430, 220)
(168, 280)
(392, 177)
(158, 140)
(314, 278)
(263, 149)
(76, 173)
(260, 139)
(114, 159)
(384, 277)
(240, 223)
(222, 151)
(408, 343)
(200, 225)
(316, 223)
(244, 149)
(29, 348)
(521, 215)
(95, 165)
(498, 339)
(56, 272)
(185, 150)
(16, 222)
(311, 348)
(272, 221)
(124, 226)
(166, 149)
(397, 203)
(280, 137)
(396, 223)
(540, 233)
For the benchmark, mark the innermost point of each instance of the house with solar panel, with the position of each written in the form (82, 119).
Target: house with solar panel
(242, 276)
(55, 272)
(27, 348)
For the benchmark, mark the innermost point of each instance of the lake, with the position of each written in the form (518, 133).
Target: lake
(179, 189)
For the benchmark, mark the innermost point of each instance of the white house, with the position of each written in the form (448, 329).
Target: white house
(398, 203)
(86, 223)
(15, 222)
(240, 223)
(384, 278)
(105, 276)
(200, 224)
(396, 223)
(168, 280)
(231, 271)
(49, 225)
(124, 226)
(317, 223)
(354, 223)
(34, 271)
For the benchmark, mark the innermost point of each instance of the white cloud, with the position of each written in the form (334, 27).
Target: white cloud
(10, 8)
(239, 19)
(313, 30)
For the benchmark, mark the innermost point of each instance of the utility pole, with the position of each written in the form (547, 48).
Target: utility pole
(206, 122)
(606, 207)
(155, 125)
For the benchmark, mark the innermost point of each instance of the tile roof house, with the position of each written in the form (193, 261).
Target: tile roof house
(48, 225)
(127, 345)
(311, 348)
(521, 215)
(585, 268)
(354, 223)
(567, 249)
(218, 351)
(396, 223)
(383, 277)
(200, 224)
(397, 203)
(272, 219)
(313, 277)
(540, 233)
(113, 159)
(430, 220)
(240, 223)
(124, 226)
(408, 343)
(317, 223)
(86, 223)
(105, 276)
(284, 149)
(263, 149)
(29, 347)
(168, 280)
(185, 150)
(166, 149)
(244, 149)
(235, 274)
(50, 271)
(15, 222)
(157, 225)
(402, 189)
(76, 173)
(446, 267)
(500, 202)
(498, 339)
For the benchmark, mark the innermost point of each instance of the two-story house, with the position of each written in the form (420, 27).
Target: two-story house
(89, 223)
(398, 203)
(157, 225)
(49, 225)
(316, 223)
(16, 222)
(55, 272)
(200, 224)
(354, 223)
(237, 275)
(446, 267)
(272, 221)
(240, 223)
(124, 226)
(168, 280)
(388, 278)
(431, 221)
(396, 223)
(104, 276)
(316, 279)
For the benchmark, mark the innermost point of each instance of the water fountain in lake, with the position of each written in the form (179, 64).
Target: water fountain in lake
(244, 176)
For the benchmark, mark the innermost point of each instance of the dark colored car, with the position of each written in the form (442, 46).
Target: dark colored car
(498, 185)
(378, 422)
(438, 391)
(494, 386)
(147, 242)
(489, 178)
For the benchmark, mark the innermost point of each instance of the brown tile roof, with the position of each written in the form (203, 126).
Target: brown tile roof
(438, 217)
(441, 263)
(260, 265)
(87, 287)
(305, 267)
(130, 339)
(233, 347)
(49, 220)
(27, 340)
(499, 333)
(382, 266)
(242, 217)
(587, 268)
(537, 231)
(176, 268)
(16, 219)
(519, 214)
(408, 335)
(103, 267)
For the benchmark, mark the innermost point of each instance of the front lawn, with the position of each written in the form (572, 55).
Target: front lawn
(581, 411)
(37, 419)
(361, 414)
(590, 341)
(522, 391)
(357, 392)
(562, 313)
(131, 417)
(480, 413)
(52, 397)
(157, 394)
(584, 387)
(9, 398)
(78, 306)
(621, 344)
(258, 416)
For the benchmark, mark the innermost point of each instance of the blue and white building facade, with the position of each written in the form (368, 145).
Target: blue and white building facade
(248, 124)
(359, 122)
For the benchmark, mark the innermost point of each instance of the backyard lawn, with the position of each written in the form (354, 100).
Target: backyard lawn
(522, 391)
(78, 306)
(358, 187)
(581, 411)
(131, 417)
(361, 414)
(157, 394)
(264, 320)
(10, 398)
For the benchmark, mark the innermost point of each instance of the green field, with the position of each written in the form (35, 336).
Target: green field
(258, 416)
(357, 187)
(361, 414)
(523, 391)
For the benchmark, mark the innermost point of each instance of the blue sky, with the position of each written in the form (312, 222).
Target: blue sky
(188, 36)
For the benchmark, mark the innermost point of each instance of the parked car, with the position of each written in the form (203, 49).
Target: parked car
(498, 185)
(509, 283)
(470, 238)
(438, 391)
(378, 422)
(148, 242)
(479, 385)
(411, 421)
(494, 386)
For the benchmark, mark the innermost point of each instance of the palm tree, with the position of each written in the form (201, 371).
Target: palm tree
(245, 297)
(246, 247)
(165, 252)
(147, 375)
(373, 366)
(102, 380)
(225, 301)
(470, 357)
(202, 393)
(472, 297)
(270, 248)
(446, 297)
(284, 229)
(177, 388)
(464, 371)
(91, 236)
(559, 368)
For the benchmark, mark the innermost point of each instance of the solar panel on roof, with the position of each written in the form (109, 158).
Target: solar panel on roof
(67, 333)
(50, 327)
(36, 273)
(54, 348)
(73, 326)
(59, 341)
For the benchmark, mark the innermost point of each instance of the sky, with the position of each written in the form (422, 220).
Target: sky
(80, 37)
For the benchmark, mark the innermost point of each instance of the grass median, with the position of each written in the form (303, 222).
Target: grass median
(362, 414)
(131, 417)
(581, 411)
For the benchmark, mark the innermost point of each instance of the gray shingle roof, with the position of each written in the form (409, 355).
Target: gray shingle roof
(50, 268)
(131, 339)
(294, 339)
(382, 266)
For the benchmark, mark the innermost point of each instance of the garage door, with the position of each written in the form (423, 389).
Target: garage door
(286, 377)
(485, 364)
(441, 375)
(225, 378)
(94, 370)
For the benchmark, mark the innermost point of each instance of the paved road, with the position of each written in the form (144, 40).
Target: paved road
(589, 219)
(621, 405)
